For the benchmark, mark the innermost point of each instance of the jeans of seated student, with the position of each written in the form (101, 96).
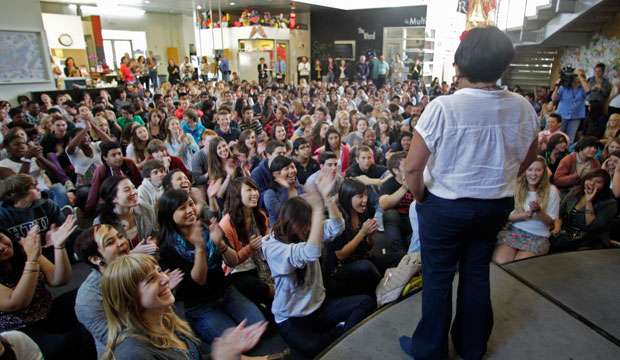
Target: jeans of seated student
(463, 232)
(60, 335)
(414, 245)
(570, 127)
(211, 319)
(205, 78)
(253, 288)
(58, 194)
(397, 230)
(312, 333)
(60, 174)
(362, 276)
(154, 79)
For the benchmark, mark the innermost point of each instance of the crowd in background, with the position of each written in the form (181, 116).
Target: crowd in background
(225, 192)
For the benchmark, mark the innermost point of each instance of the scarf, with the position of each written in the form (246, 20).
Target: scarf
(187, 250)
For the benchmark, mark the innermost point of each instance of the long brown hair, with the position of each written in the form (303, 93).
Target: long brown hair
(234, 207)
(292, 225)
(216, 165)
(139, 146)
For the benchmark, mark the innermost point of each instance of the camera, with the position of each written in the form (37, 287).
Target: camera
(567, 74)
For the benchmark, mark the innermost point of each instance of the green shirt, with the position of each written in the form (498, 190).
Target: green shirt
(383, 68)
(122, 121)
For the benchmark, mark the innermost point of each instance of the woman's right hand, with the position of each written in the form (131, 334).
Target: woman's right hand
(256, 242)
(32, 244)
(370, 226)
(196, 236)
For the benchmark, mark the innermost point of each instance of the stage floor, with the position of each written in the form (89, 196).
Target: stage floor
(561, 306)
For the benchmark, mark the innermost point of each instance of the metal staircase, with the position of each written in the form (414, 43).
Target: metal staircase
(540, 38)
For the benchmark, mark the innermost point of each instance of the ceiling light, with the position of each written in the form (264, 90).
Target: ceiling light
(73, 7)
(198, 7)
(147, 2)
(232, 4)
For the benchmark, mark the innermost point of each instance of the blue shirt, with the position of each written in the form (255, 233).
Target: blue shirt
(280, 67)
(274, 198)
(196, 133)
(572, 103)
(224, 65)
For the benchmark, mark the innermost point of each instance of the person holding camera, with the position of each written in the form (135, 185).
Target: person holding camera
(570, 93)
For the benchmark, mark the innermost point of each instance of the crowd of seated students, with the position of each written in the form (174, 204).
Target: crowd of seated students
(232, 189)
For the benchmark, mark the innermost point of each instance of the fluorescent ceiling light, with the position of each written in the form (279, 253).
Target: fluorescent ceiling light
(362, 4)
(111, 10)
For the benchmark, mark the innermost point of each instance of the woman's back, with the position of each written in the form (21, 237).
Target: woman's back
(482, 137)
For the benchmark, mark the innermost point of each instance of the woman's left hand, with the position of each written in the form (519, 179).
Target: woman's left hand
(57, 236)
(590, 197)
(216, 234)
(174, 277)
(534, 206)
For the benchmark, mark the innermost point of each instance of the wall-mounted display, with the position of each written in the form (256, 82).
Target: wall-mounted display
(22, 57)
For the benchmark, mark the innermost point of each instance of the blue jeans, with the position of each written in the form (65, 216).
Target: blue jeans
(154, 79)
(58, 194)
(452, 232)
(312, 333)
(570, 127)
(211, 319)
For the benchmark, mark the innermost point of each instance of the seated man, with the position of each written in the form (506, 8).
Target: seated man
(224, 130)
(157, 151)
(54, 145)
(28, 159)
(113, 164)
(19, 120)
(261, 174)
(395, 200)
(200, 160)
(127, 116)
(328, 161)
(152, 187)
(302, 157)
(554, 122)
(575, 165)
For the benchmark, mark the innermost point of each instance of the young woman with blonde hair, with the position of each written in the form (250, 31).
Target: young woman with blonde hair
(341, 123)
(537, 207)
(138, 305)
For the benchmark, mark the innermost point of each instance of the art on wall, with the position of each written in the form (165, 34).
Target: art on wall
(22, 57)
(481, 13)
(601, 49)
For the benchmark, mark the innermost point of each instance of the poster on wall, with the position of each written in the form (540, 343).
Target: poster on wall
(21, 57)
(481, 13)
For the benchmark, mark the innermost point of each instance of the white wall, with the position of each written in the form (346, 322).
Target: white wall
(24, 15)
(162, 31)
(56, 24)
(299, 41)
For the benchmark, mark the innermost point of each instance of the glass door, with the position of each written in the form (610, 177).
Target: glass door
(116, 49)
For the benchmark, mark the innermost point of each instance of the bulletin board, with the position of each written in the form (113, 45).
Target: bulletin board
(23, 58)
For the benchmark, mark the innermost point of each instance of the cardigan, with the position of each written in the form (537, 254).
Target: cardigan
(243, 253)
(597, 232)
(565, 175)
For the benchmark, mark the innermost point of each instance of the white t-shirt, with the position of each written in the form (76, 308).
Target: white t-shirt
(23, 346)
(35, 172)
(304, 69)
(615, 102)
(477, 140)
(81, 162)
(537, 227)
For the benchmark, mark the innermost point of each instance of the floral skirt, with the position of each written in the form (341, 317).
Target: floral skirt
(523, 240)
